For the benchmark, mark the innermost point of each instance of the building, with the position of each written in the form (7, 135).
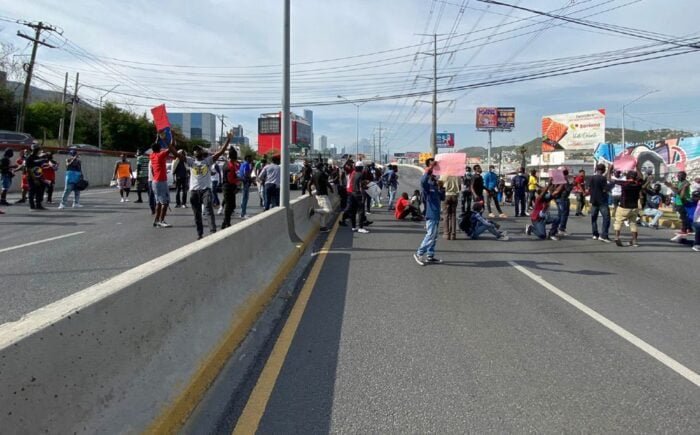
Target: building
(309, 116)
(238, 137)
(196, 125)
(322, 143)
(270, 137)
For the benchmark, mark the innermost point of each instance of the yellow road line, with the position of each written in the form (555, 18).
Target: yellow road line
(257, 402)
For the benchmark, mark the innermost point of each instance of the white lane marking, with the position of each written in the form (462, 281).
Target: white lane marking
(12, 248)
(614, 327)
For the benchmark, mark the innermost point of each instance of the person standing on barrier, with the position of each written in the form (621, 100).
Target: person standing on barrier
(141, 174)
(245, 172)
(320, 183)
(433, 194)
(201, 185)
(271, 178)
(230, 186)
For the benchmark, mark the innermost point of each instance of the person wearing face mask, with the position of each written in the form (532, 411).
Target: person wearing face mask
(122, 174)
(519, 192)
(74, 172)
(541, 217)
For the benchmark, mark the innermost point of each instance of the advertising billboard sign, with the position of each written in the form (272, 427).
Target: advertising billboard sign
(486, 118)
(495, 118)
(573, 131)
(445, 140)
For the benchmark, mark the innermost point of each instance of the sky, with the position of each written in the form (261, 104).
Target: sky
(224, 57)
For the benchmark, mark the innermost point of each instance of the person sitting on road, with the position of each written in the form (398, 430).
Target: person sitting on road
(416, 200)
(404, 208)
(481, 225)
(541, 217)
(122, 174)
(651, 208)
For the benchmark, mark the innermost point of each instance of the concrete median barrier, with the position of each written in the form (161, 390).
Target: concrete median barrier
(136, 352)
(305, 226)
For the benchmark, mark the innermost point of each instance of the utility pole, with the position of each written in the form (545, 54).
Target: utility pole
(221, 137)
(29, 68)
(374, 147)
(99, 118)
(73, 112)
(63, 113)
(435, 78)
(380, 130)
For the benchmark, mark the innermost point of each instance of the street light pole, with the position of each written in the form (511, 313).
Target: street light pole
(623, 112)
(99, 116)
(357, 126)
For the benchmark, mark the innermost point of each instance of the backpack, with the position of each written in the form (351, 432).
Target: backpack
(465, 222)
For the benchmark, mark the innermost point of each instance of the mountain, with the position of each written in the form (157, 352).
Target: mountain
(38, 94)
(614, 135)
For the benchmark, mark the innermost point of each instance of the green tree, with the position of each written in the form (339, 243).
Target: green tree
(125, 131)
(8, 109)
(42, 119)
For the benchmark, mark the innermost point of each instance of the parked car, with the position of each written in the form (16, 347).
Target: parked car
(86, 147)
(17, 139)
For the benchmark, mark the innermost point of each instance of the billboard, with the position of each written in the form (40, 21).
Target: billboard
(573, 131)
(445, 140)
(495, 118)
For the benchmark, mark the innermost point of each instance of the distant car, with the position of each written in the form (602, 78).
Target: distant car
(14, 138)
(86, 147)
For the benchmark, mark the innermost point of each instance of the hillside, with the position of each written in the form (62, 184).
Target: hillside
(38, 94)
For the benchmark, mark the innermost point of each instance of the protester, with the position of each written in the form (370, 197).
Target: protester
(580, 191)
(599, 204)
(20, 166)
(230, 186)
(358, 185)
(201, 185)
(270, 176)
(259, 166)
(541, 217)
(391, 180)
(320, 186)
(532, 185)
(245, 175)
(564, 203)
(6, 174)
(215, 185)
(654, 198)
(479, 224)
(519, 183)
(142, 173)
(122, 174)
(616, 192)
(451, 185)
(477, 185)
(491, 191)
(49, 171)
(627, 209)
(74, 173)
(466, 194)
(433, 194)
(305, 177)
(404, 208)
(33, 168)
(181, 175)
(682, 195)
(160, 179)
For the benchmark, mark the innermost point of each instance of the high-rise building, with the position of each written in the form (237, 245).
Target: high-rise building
(309, 116)
(238, 137)
(322, 143)
(196, 125)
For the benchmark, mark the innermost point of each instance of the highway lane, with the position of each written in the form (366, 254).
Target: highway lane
(104, 238)
(477, 345)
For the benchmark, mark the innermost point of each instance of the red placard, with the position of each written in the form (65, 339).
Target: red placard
(160, 117)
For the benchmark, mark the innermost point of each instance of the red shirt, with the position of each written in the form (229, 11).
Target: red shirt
(158, 160)
(48, 172)
(351, 176)
(401, 205)
(540, 206)
(578, 183)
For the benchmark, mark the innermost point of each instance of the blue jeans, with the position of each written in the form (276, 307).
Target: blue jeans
(244, 198)
(427, 246)
(539, 227)
(604, 210)
(214, 193)
(70, 187)
(272, 196)
(481, 228)
(563, 207)
(392, 197)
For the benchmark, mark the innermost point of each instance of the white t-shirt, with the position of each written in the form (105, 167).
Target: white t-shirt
(200, 173)
(617, 189)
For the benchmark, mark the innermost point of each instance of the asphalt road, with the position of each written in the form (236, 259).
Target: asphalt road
(477, 345)
(94, 243)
